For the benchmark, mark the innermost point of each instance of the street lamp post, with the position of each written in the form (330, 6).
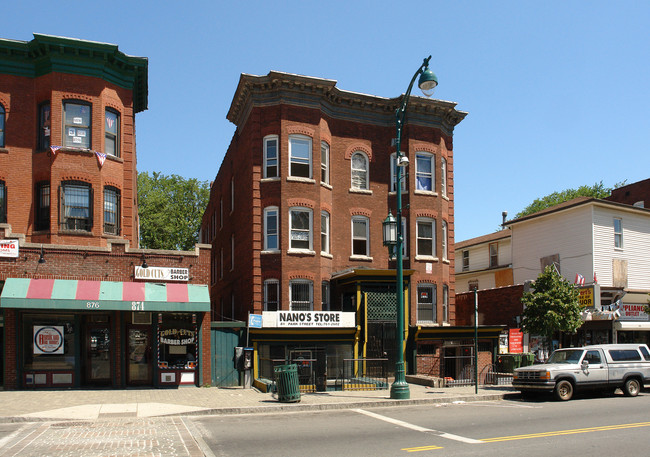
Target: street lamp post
(393, 236)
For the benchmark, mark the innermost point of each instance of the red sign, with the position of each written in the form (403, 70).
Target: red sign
(515, 341)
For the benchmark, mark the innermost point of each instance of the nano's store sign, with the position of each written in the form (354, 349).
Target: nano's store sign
(177, 336)
(48, 339)
(309, 319)
(162, 274)
(8, 248)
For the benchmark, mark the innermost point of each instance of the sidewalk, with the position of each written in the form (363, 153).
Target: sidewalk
(42, 405)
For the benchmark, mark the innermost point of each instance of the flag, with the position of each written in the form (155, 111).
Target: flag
(580, 280)
(55, 149)
(595, 280)
(101, 158)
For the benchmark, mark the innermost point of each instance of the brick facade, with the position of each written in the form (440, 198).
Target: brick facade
(282, 105)
(499, 306)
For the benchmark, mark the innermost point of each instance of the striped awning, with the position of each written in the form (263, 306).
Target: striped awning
(103, 295)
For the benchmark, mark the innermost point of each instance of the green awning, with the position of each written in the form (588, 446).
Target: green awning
(104, 295)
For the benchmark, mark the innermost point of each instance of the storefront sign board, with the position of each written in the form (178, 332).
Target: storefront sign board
(9, 248)
(162, 274)
(48, 339)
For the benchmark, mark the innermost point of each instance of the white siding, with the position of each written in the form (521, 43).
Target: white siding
(636, 246)
(567, 233)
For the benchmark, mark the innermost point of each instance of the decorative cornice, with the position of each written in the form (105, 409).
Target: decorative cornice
(51, 54)
(284, 88)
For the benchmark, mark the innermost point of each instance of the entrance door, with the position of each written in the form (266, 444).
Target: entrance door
(139, 365)
(98, 354)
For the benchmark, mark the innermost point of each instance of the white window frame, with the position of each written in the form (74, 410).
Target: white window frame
(445, 303)
(325, 233)
(300, 160)
(433, 290)
(297, 282)
(324, 162)
(431, 174)
(445, 241)
(443, 176)
(493, 252)
(618, 233)
(271, 283)
(393, 175)
(365, 170)
(365, 238)
(466, 260)
(310, 230)
(271, 211)
(432, 222)
(271, 162)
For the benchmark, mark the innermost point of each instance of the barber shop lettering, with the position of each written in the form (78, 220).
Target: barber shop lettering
(309, 319)
(177, 336)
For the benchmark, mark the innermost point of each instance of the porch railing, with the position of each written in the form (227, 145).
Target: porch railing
(363, 374)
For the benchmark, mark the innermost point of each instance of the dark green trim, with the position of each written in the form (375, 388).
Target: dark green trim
(432, 333)
(51, 54)
(219, 324)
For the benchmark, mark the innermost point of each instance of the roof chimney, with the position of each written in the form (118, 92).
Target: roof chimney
(504, 216)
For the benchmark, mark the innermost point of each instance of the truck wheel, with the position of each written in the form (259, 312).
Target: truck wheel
(632, 387)
(564, 390)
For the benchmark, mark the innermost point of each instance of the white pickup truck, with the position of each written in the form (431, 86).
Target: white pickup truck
(605, 367)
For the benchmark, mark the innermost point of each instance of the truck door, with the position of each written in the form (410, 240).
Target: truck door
(595, 373)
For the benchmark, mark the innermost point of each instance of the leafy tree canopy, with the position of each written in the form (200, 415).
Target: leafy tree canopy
(552, 306)
(170, 210)
(598, 190)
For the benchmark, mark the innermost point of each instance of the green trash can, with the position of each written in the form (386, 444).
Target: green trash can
(516, 361)
(286, 380)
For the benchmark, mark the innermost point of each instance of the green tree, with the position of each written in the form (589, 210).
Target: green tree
(598, 190)
(551, 306)
(170, 210)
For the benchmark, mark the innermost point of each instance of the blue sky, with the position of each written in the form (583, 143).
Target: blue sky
(557, 91)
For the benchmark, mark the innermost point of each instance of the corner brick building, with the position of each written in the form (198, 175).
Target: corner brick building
(295, 223)
(81, 304)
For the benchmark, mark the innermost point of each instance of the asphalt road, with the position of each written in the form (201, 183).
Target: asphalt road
(590, 425)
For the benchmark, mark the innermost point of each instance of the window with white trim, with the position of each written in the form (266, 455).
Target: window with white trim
(494, 255)
(425, 176)
(301, 295)
(360, 236)
(466, 260)
(425, 234)
(359, 171)
(271, 241)
(300, 156)
(443, 176)
(324, 232)
(393, 175)
(300, 229)
(271, 156)
(445, 238)
(427, 303)
(324, 162)
(445, 303)
(271, 295)
(618, 233)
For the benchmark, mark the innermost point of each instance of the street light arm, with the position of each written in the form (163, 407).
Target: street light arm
(402, 109)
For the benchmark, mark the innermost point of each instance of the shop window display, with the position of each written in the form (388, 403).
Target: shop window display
(178, 341)
(48, 342)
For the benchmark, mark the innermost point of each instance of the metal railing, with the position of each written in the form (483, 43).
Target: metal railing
(363, 374)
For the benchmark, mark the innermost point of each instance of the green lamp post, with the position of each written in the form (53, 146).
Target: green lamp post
(392, 226)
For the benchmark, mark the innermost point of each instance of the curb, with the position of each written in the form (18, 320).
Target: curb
(296, 407)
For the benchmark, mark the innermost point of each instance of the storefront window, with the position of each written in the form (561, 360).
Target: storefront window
(177, 338)
(48, 342)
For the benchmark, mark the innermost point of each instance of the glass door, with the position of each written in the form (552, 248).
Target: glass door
(139, 363)
(98, 354)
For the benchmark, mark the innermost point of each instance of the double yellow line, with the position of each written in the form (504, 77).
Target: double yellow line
(566, 432)
(541, 435)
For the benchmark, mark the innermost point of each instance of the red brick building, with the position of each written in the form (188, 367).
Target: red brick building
(79, 308)
(295, 221)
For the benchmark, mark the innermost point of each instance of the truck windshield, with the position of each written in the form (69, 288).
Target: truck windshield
(568, 356)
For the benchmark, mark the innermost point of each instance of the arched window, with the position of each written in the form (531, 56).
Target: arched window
(271, 294)
(359, 173)
(425, 176)
(112, 133)
(360, 236)
(271, 241)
